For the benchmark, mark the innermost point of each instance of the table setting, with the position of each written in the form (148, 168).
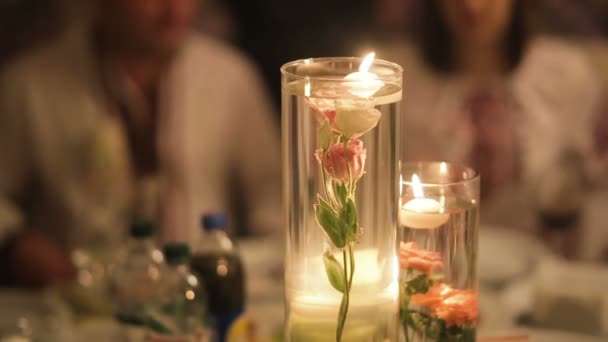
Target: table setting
(374, 248)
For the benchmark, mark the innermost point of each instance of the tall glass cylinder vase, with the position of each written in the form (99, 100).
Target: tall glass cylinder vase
(438, 222)
(340, 170)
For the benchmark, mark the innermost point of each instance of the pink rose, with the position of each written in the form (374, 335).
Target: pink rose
(337, 158)
(425, 261)
(455, 307)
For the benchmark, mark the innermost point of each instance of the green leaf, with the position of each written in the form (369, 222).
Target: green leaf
(433, 329)
(419, 321)
(324, 135)
(157, 326)
(469, 335)
(420, 284)
(324, 203)
(349, 219)
(334, 271)
(455, 334)
(330, 223)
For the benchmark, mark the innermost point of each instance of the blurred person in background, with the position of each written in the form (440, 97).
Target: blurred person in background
(131, 112)
(480, 89)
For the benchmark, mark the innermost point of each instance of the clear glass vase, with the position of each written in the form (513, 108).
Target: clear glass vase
(340, 171)
(438, 221)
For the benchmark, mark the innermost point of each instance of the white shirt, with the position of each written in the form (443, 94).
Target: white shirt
(556, 94)
(62, 153)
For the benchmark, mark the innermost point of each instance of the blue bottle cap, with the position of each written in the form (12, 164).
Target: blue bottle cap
(214, 221)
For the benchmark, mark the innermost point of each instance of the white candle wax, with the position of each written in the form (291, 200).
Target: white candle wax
(364, 83)
(421, 212)
(314, 303)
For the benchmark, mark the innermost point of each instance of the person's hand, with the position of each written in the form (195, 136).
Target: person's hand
(37, 261)
(494, 153)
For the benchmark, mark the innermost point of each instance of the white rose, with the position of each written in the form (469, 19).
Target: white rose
(355, 118)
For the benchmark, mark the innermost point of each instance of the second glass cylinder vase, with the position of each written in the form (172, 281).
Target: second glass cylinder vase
(340, 151)
(438, 252)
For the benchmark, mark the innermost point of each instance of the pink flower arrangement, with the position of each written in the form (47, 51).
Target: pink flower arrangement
(338, 160)
(412, 256)
(455, 307)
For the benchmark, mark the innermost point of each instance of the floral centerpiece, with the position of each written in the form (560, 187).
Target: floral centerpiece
(431, 310)
(340, 164)
(341, 156)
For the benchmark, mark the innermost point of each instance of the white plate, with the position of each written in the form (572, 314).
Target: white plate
(505, 254)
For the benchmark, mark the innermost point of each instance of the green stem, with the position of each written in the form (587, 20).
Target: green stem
(345, 300)
(348, 259)
(352, 264)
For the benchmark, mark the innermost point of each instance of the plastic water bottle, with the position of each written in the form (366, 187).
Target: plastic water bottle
(182, 314)
(136, 281)
(217, 260)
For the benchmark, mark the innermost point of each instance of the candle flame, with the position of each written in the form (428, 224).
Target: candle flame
(417, 187)
(367, 62)
(443, 168)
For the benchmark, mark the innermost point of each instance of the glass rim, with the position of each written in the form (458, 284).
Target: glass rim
(396, 69)
(472, 174)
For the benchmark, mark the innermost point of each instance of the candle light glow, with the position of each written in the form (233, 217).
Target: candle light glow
(363, 82)
(422, 212)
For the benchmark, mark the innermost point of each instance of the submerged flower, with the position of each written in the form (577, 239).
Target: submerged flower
(323, 102)
(355, 118)
(350, 117)
(323, 109)
(412, 256)
(455, 307)
(339, 160)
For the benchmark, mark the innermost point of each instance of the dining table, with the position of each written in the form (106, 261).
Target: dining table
(522, 286)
